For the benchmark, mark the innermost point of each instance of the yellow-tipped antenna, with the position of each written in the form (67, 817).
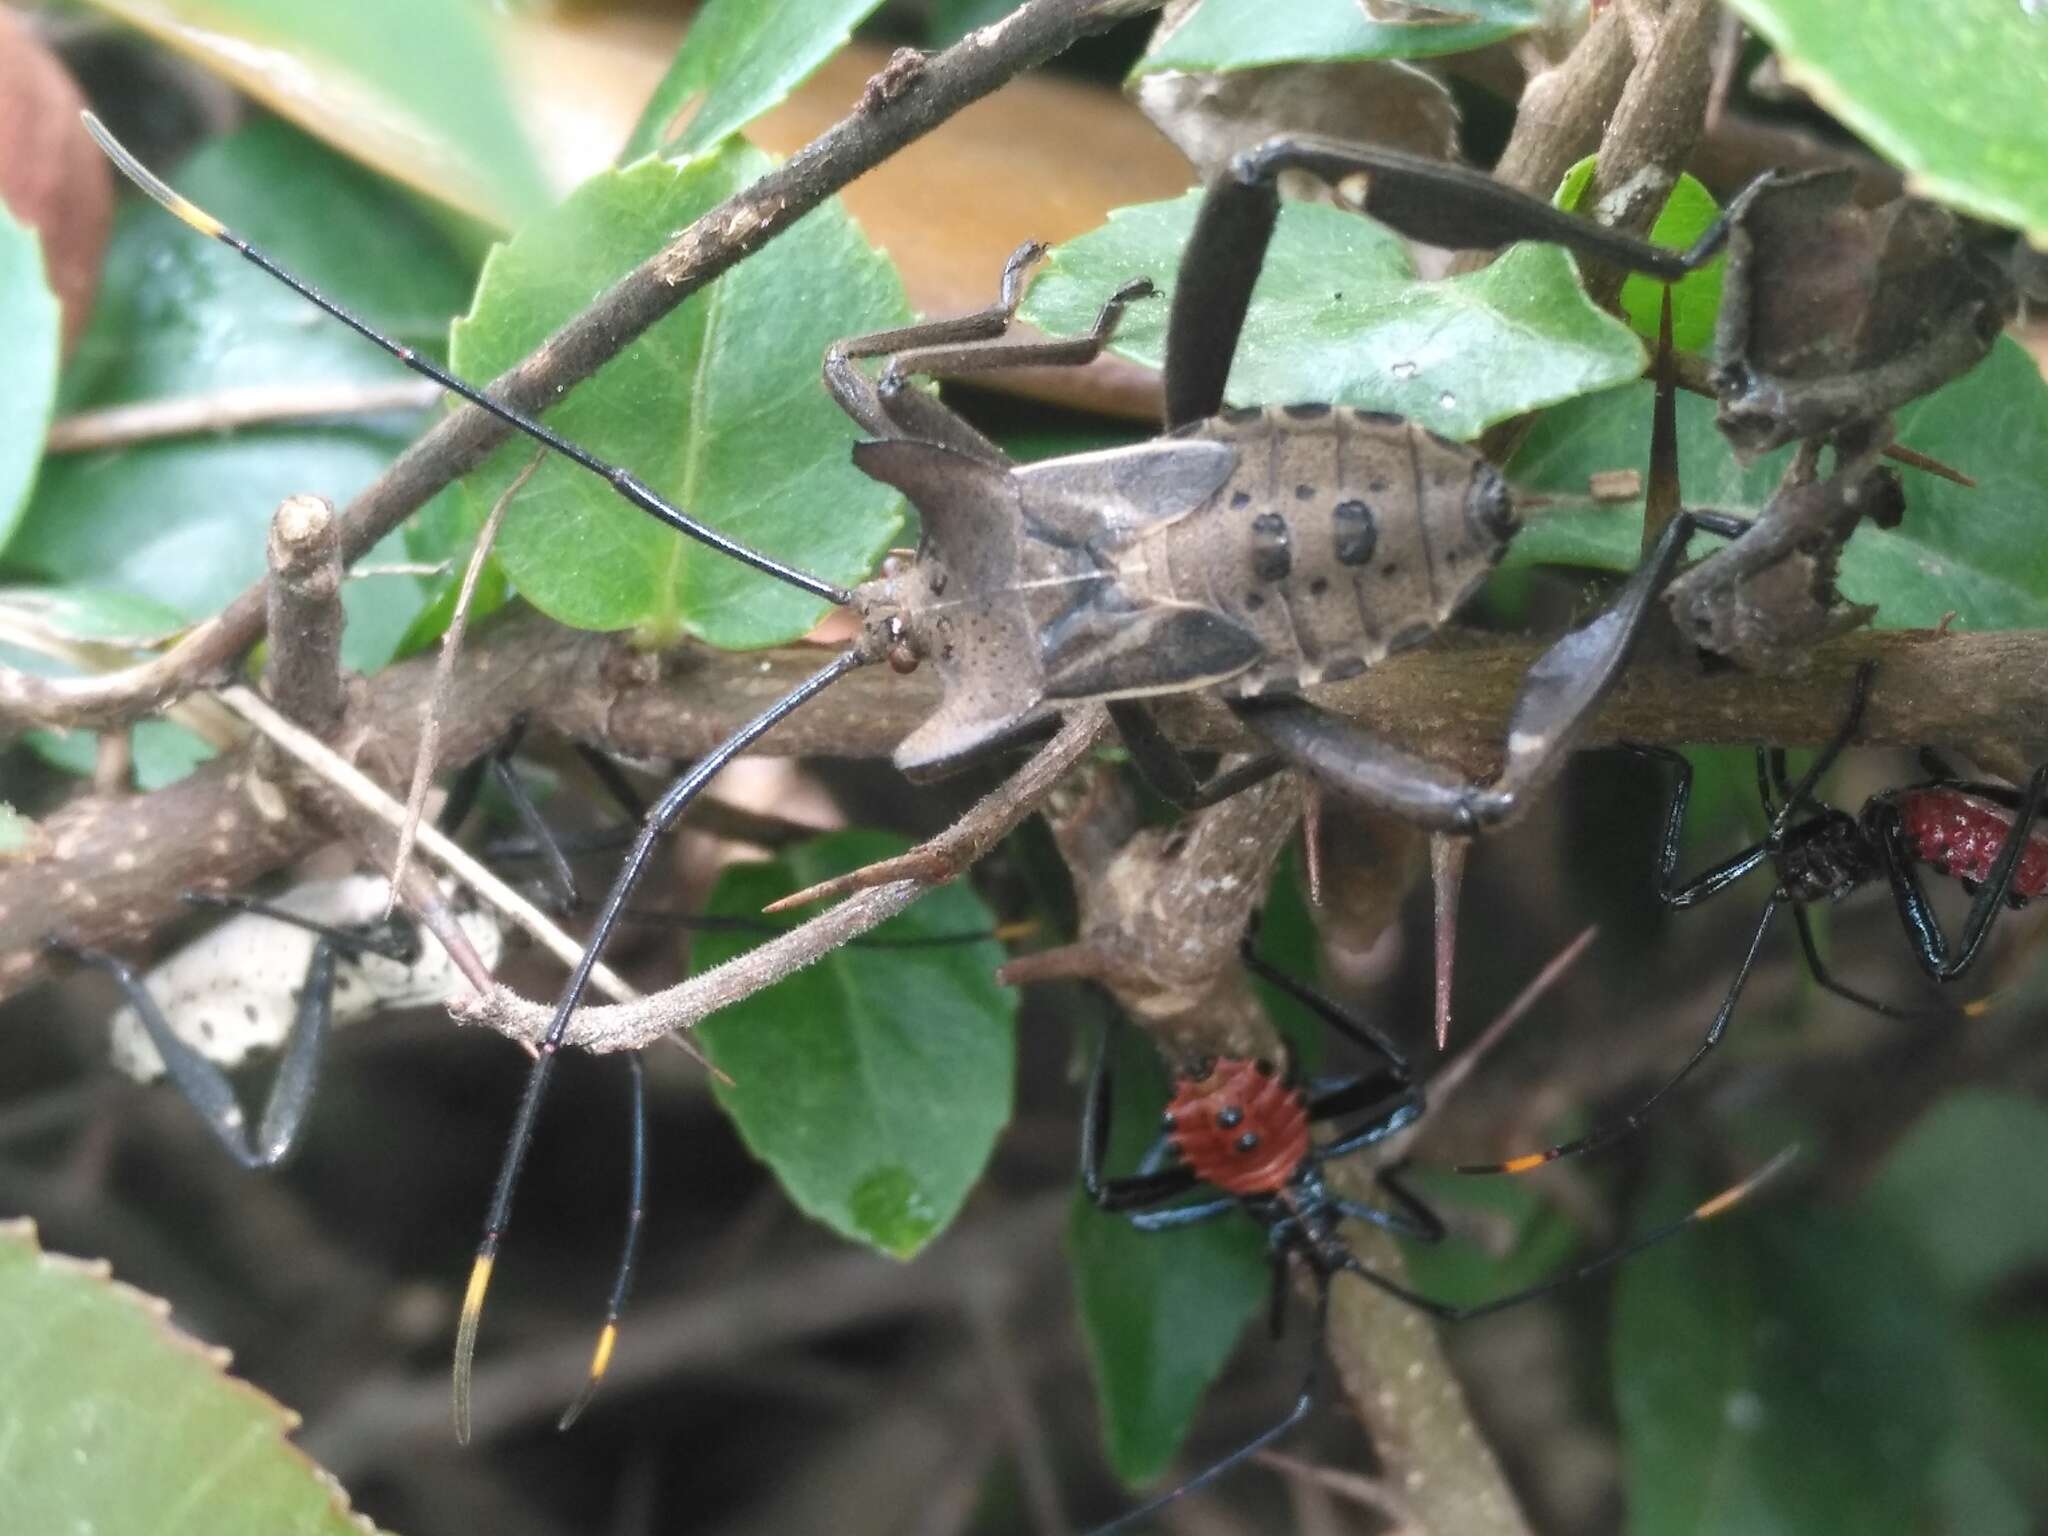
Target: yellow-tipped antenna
(636, 1205)
(600, 1362)
(465, 1333)
(1735, 1194)
(183, 208)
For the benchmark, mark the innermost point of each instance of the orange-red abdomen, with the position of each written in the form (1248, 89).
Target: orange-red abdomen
(1958, 834)
(1240, 1127)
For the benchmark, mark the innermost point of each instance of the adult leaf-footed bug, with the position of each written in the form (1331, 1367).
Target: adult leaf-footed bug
(1246, 552)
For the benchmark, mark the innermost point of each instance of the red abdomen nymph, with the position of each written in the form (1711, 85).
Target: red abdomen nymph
(1240, 1127)
(1958, 833)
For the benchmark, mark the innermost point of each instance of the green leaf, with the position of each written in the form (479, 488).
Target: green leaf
(1246, 34)
(184, 521)
(951, 20)
(1340, 317)
(29, 340)
(86, 616)
(874, 1082)
(1779, 1374)
(426, 72)
(1976, 553)
(1953, 96)
(1696, 297)
(718, 406)
(115, 1423)
(1160, 1311)
(160, 751)
(19, 836)
(741, 57)
(1948, 1188)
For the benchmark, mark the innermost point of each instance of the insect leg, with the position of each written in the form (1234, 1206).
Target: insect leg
(1802, 792)
(206, 1087)
(1633, 1120)
(1303, 1403)
(1706, 1210)
(1930, 944)
(627, 485)
(1825, 978)
(1670, 890)
(1366, 1036)
(1425, 199)
(1160, 763)
(636, 1208)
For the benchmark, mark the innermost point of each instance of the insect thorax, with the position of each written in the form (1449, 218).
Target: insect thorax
(1341, 536)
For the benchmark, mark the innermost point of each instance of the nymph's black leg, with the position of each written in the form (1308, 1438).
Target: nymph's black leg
(1802, 793)
(629, 1255)
(1930, 944)
(560, 879)
(950, 348)
(1302, 1406)
(1556, 702)
(1825, 978)
(397, 940)
(1160, 763)
(1387, 1116)
(1356, 1030)
(1633, 1120)
(1174, 1216)
(1424, 199)
(207, 1089)
(1705, 1211)
(1118, 1194)
(1670, 890)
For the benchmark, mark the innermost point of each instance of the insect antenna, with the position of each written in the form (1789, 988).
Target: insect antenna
(627, 485)
(660, 819)
(1706, 1210)
(636, 1211)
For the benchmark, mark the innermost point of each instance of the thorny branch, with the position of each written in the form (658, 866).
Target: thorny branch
(227, 825)
(880, 125)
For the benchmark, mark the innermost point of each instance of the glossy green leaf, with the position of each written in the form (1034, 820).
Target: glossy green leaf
(718, 406)
(874, 1082)
(426, 76)
(1696, 297)
(741, 57)
(1780, 1373)
(1976, 553)
(85, 616)
(160, 751)
(29, 340)
(183, 521)
(1952, 95)
(1160, 1311)
(115, 1423)
(1340, 317)
(1948, 1187)
(1246, 34)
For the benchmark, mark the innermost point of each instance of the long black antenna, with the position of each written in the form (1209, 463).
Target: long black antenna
(623, 481)
(663, 816)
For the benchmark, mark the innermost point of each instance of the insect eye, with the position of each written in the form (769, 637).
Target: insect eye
(902, 659)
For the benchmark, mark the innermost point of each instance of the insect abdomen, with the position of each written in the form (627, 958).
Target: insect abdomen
(1957, 833)
(1341, 536)
(1239, 1127)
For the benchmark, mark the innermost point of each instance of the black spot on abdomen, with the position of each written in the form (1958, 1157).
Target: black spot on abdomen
(1272, 547)
(1356, 533)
